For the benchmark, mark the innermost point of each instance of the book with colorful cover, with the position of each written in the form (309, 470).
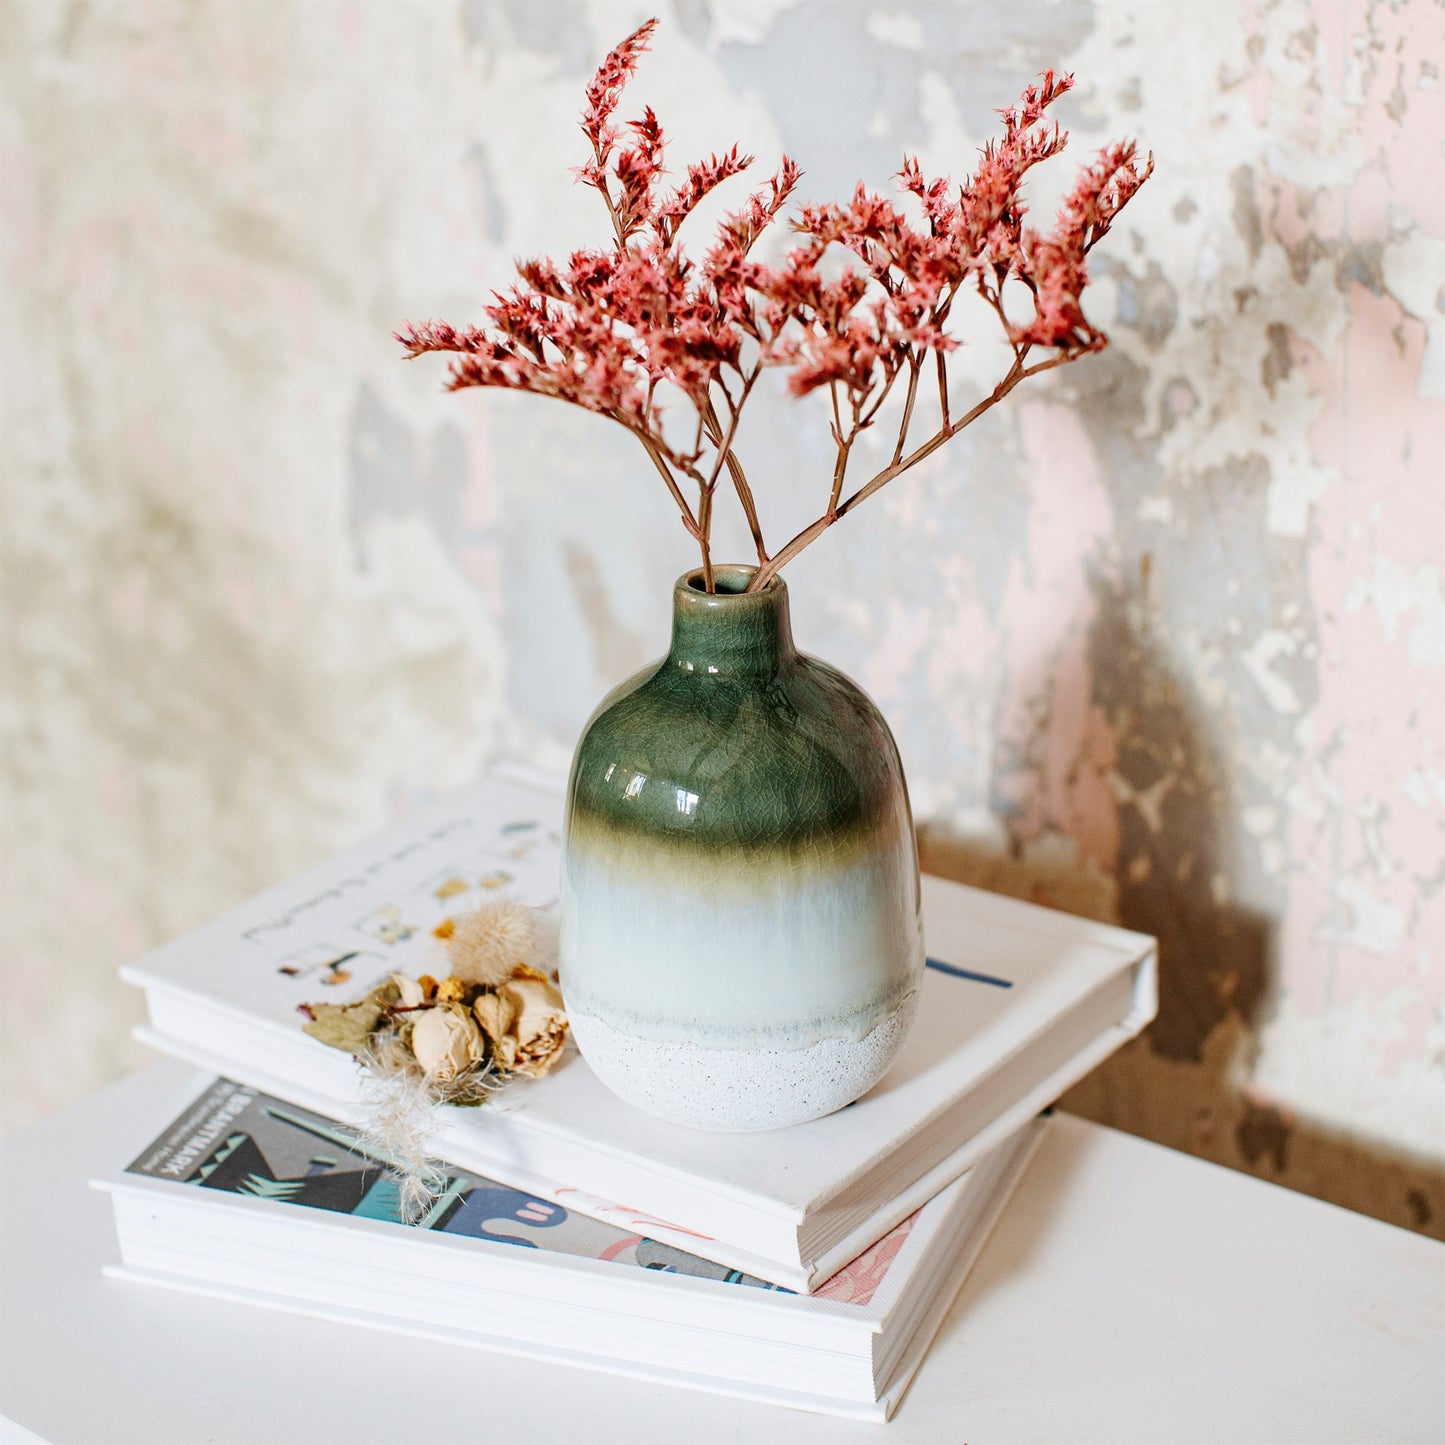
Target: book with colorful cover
(1018, 1003)
(246, 1197)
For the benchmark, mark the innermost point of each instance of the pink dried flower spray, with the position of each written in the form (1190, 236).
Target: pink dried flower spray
(618, 330)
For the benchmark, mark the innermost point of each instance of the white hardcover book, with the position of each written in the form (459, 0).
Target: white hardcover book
(247, 1198)
(1018, 1003)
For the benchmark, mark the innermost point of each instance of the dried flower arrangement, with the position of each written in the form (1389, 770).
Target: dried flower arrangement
(612, 330)
(424, 1042)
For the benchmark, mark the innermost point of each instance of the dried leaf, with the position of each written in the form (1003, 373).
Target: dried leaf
(349, 1026)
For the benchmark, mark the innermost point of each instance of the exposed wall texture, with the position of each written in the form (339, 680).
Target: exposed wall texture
(1162, 638)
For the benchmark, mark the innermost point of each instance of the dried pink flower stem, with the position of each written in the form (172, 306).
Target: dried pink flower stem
(739, 480)
(616, 330)
(1017, 373)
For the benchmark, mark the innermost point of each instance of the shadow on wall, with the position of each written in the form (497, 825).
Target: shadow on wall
(1185, 1082)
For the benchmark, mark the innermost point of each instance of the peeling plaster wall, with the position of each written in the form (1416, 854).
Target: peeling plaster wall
(1162, 638)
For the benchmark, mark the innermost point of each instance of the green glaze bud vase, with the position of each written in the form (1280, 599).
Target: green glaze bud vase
(740, 942)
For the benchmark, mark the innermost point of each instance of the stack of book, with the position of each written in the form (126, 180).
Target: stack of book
(808, 1266)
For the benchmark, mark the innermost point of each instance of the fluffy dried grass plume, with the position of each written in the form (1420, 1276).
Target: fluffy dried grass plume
(487, 945)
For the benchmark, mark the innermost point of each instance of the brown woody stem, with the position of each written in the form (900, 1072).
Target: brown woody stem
(723, 441)
(915, 365)
(1017, 372)
(750, 511)
(704, 535)
(840, 467)
(729, 457)
(867, 417)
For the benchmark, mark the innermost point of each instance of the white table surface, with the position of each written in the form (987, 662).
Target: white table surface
(1129, 1294)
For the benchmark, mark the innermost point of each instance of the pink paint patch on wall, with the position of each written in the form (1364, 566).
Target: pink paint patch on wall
(1390, 67)
(1364, 911)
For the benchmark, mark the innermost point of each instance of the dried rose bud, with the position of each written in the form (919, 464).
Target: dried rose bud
(525, 1022)
(447, 1042)
(496, 1015)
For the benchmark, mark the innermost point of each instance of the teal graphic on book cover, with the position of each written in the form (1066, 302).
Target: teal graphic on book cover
(240, 1141)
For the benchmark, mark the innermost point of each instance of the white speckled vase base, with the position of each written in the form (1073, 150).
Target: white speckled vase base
(738, 1090)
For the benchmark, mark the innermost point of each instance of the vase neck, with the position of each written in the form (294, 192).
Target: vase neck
(730, 632)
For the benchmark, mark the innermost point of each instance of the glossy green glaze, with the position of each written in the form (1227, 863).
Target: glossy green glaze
(778, 748)
(739, 871)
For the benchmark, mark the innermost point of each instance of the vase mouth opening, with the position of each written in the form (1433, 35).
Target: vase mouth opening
(729, 580)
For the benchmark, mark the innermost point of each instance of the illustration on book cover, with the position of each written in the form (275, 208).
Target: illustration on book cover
(237, 1140)
(395, 914)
